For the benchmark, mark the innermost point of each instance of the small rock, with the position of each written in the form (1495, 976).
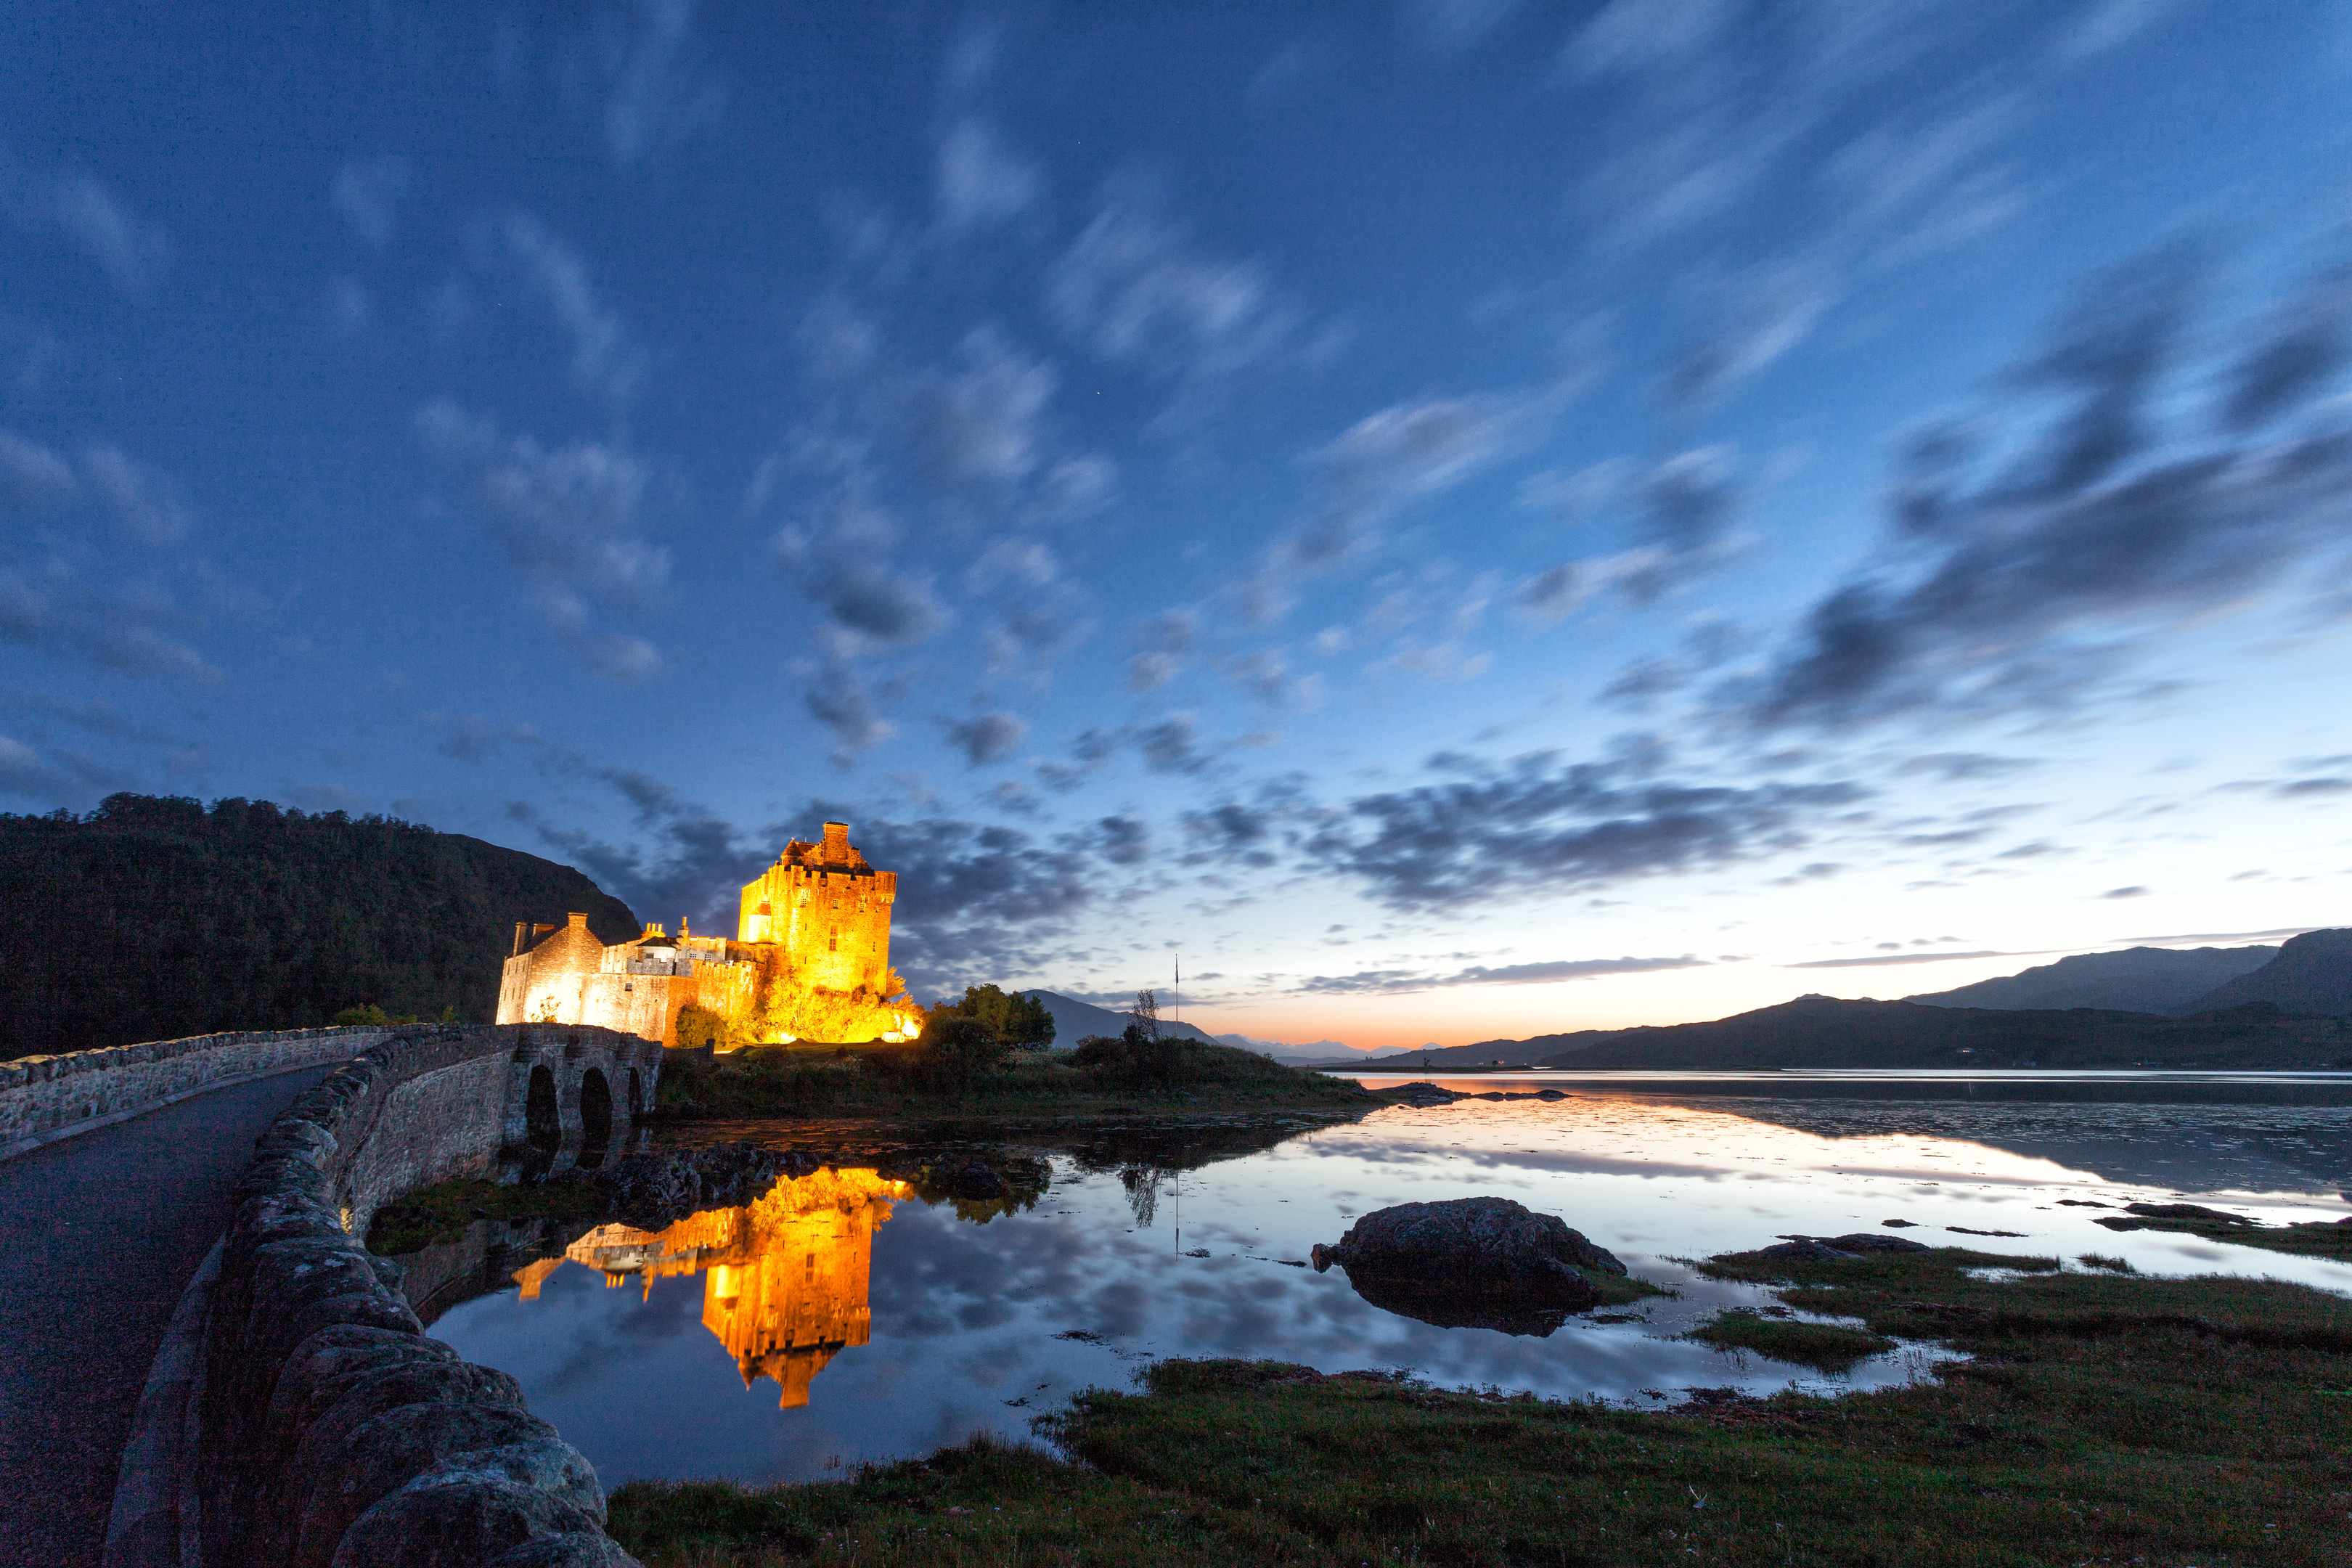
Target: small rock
(1899, 1224)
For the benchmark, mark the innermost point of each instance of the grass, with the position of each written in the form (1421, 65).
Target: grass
(1828, 1347)
(442, 1213)
(2102, 1419)
(857, 1081)
(2318, 1239)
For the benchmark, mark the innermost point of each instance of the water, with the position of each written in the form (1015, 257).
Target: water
(889, 1325)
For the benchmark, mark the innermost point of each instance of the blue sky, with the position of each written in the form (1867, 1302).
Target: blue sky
(1461, 520)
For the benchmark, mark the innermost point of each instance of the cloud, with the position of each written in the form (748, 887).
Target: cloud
(128, 632)
(1449, 26)
(847, 569)
(978, 430)
(1394, 981)
(32, 477)
(1133, 291)
(2030, 583)
(145, 503)
(1546, 827)
(980, 181)
(602, 358)
(1901, 958)
(57, 776)
(661, 95)
(132, 252)
(838, 699)
(1956, 767)
(1122, 840)
(570, 521)
(367, 194)
(1551, 594)
(1232, 832)
(2132, 892)
(2306, 347)
(1164, 640)
(989, 738)
(1768, 320)
(1172, 745)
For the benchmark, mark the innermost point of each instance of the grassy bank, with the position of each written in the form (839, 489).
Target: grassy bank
(2103, 1418)
(887, 1083)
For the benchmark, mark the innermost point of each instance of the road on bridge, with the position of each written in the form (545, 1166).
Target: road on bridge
(98, 1235)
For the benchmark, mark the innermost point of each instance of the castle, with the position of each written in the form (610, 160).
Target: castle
(811, 961)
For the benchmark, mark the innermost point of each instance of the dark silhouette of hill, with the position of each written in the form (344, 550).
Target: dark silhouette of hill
(153, 919)
(2312, 973)
(2136, 980)
(1827, 1032)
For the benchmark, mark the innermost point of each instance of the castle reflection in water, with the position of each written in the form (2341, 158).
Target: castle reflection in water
(784, 1277)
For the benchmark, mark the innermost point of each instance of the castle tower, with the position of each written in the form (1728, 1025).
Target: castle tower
(821, 916)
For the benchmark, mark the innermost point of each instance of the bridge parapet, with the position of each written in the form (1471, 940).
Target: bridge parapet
(43, 1098)
(325, 1427)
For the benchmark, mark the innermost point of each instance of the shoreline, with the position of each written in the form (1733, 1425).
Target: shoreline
(2095, 1415)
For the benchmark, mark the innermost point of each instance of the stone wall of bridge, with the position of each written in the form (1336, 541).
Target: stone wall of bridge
(43, 1098)
(325, 1427)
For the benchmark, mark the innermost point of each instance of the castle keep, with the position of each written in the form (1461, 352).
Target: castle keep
(811, 961)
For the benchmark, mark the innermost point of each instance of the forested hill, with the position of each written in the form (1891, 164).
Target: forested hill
(152, 917)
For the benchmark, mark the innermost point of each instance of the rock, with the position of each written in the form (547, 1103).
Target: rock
(574, 1549)
(1471, 1262)
(2186, 1211)
(1421, 1092)
(1805, 1250)
(452, 1517)
(1899, 1224)
(1864, 1242)
(379, 1457)
(657, 1188)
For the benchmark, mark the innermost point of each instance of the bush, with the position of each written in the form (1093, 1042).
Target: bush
(1139, 1054)
(699, 1026)
(1021, 1022)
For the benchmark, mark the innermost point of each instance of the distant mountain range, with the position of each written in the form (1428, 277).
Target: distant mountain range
(2136, 980)
(1075, 1020)
(2256, 1009)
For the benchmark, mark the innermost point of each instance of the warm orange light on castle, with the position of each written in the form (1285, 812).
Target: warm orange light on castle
(811, 961)
(784, 1280)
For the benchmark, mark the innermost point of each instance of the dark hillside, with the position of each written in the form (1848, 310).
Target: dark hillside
(1825, 1032)
(2312, 973)
(153, 919)
(2136, 980)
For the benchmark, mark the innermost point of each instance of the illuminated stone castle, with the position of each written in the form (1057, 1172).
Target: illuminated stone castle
(784, 1278)
(811, 961)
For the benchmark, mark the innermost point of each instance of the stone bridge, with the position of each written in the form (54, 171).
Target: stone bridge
(295, 1411)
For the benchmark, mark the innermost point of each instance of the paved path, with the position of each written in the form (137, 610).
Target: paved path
(98, 1235)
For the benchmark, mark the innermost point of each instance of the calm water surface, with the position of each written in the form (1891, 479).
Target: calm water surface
(874, 1325)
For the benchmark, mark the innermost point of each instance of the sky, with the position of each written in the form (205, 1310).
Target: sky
(1451, 521)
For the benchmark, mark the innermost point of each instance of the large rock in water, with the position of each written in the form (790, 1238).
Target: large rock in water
(1471, 1263)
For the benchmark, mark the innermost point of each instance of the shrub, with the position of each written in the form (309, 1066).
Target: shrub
(1021, 1022)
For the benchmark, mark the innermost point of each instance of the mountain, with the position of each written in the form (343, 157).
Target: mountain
(1313, 1051)
(1486, 1054)
(152, 919)
(2312, 973)
(1827, 1032)
(2136, 980)
(1075, 1020)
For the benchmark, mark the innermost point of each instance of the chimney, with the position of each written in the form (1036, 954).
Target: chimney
(837, 843)
(522, 937)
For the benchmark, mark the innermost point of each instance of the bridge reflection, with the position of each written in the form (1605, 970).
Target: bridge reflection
(784, 1277)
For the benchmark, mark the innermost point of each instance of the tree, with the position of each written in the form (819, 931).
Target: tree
(1021, 1022)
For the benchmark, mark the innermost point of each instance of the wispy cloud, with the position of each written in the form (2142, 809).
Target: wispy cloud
(572, 523)
(1548, 972)
(367, 193)
(660, 93)
(604, 358)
